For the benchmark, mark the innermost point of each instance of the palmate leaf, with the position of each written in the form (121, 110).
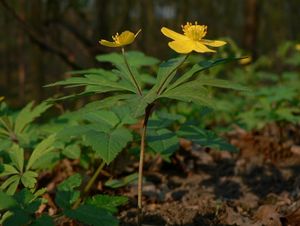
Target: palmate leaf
(7, 170)
(96, 71)
(135, 59)
(16, 155)
(121, 182)
(28, 114)
(108, 144)
(41, 149)
(220, 83)
(166, 72)
(163, 141)
(204, 138)
(109, 203)
(201, 66)
(91, 215)
(190, 92)
(11, 184)
(28, 179)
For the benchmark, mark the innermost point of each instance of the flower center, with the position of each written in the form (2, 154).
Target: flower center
(195, 32)
(116, 38)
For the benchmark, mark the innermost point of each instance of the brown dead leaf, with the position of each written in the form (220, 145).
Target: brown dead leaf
(267, 215)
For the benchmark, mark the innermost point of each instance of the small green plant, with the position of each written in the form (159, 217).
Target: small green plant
(125, 85)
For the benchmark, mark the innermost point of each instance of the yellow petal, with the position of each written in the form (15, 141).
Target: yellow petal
(200, 48)
(213, 43)
(126, 37)
(109, 44)
(182, 46)
(173, 35)
(1, 98)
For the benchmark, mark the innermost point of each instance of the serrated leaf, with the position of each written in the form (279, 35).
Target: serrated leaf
(72, 151)
(109, 203)
(166, 72)
(7, 201)
(108, 144)
(220, 83)
(135, 59)
(121, 182)
(103, 117)
(44, 220)
(11, 184)
(28, 114)
(163, 141)
(70, 183)
(28, 179)
(205, 138)
(91, 215)
(201, 66)
(16, 155)
(7, 170)
(41, 149)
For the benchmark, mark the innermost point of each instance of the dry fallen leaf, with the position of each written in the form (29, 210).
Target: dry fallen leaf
(267, 215)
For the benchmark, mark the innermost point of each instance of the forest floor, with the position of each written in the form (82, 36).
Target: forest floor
(258, 186)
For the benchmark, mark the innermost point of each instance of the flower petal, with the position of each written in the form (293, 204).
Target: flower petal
(173, 35)
(213, 43)
(108, 44)
(126, 37)
(182, 46)
(200, 48)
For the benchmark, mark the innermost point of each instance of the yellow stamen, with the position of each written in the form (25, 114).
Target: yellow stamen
(195, 32)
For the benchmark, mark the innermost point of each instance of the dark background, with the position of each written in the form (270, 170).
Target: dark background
(40, 40)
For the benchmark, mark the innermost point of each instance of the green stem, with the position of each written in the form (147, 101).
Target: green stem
(131, 74)
(89, 184)
(160, 89)
(141, 163)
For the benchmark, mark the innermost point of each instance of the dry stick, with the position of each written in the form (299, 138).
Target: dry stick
(141, 164)
(131, 74)
(89, 184)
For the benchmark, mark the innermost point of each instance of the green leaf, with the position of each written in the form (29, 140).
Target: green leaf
(7, 201)
(70, 183)
(109, 203)
(91, 215)
(163, 141)
(117, 183)
(190, 92)
(16, 155)
(135, 59)
(28, 179)
(17, 218)
(96, 71)
(44, 220)
(166, 72)
(72, 151)
(28, 114)
(7, 170)
(108, 144)
(103, 117)
(41, 149)
(205, 138)
(205, 81)
(201, 66)
(11, 184)
(65, 199)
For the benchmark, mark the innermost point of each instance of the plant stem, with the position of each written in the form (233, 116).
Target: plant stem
(131, 74)
(89, 184)
(160, 89)
(141, 163)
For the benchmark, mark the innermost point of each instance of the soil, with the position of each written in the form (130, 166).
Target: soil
(257, 186)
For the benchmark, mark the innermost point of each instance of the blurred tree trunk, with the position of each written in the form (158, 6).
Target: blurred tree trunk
(147, 23)
(251, 26)
(21, 47)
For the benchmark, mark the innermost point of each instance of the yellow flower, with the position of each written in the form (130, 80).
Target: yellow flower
(297, 47)
(125, 38)
(191, 39)
(1, 98)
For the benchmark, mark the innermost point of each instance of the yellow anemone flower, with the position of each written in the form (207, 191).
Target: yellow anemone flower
(1, 98)
(191, 39)
(297, 47)
(125, 38)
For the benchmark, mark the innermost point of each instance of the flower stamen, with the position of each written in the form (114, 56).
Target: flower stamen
(195, 32)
